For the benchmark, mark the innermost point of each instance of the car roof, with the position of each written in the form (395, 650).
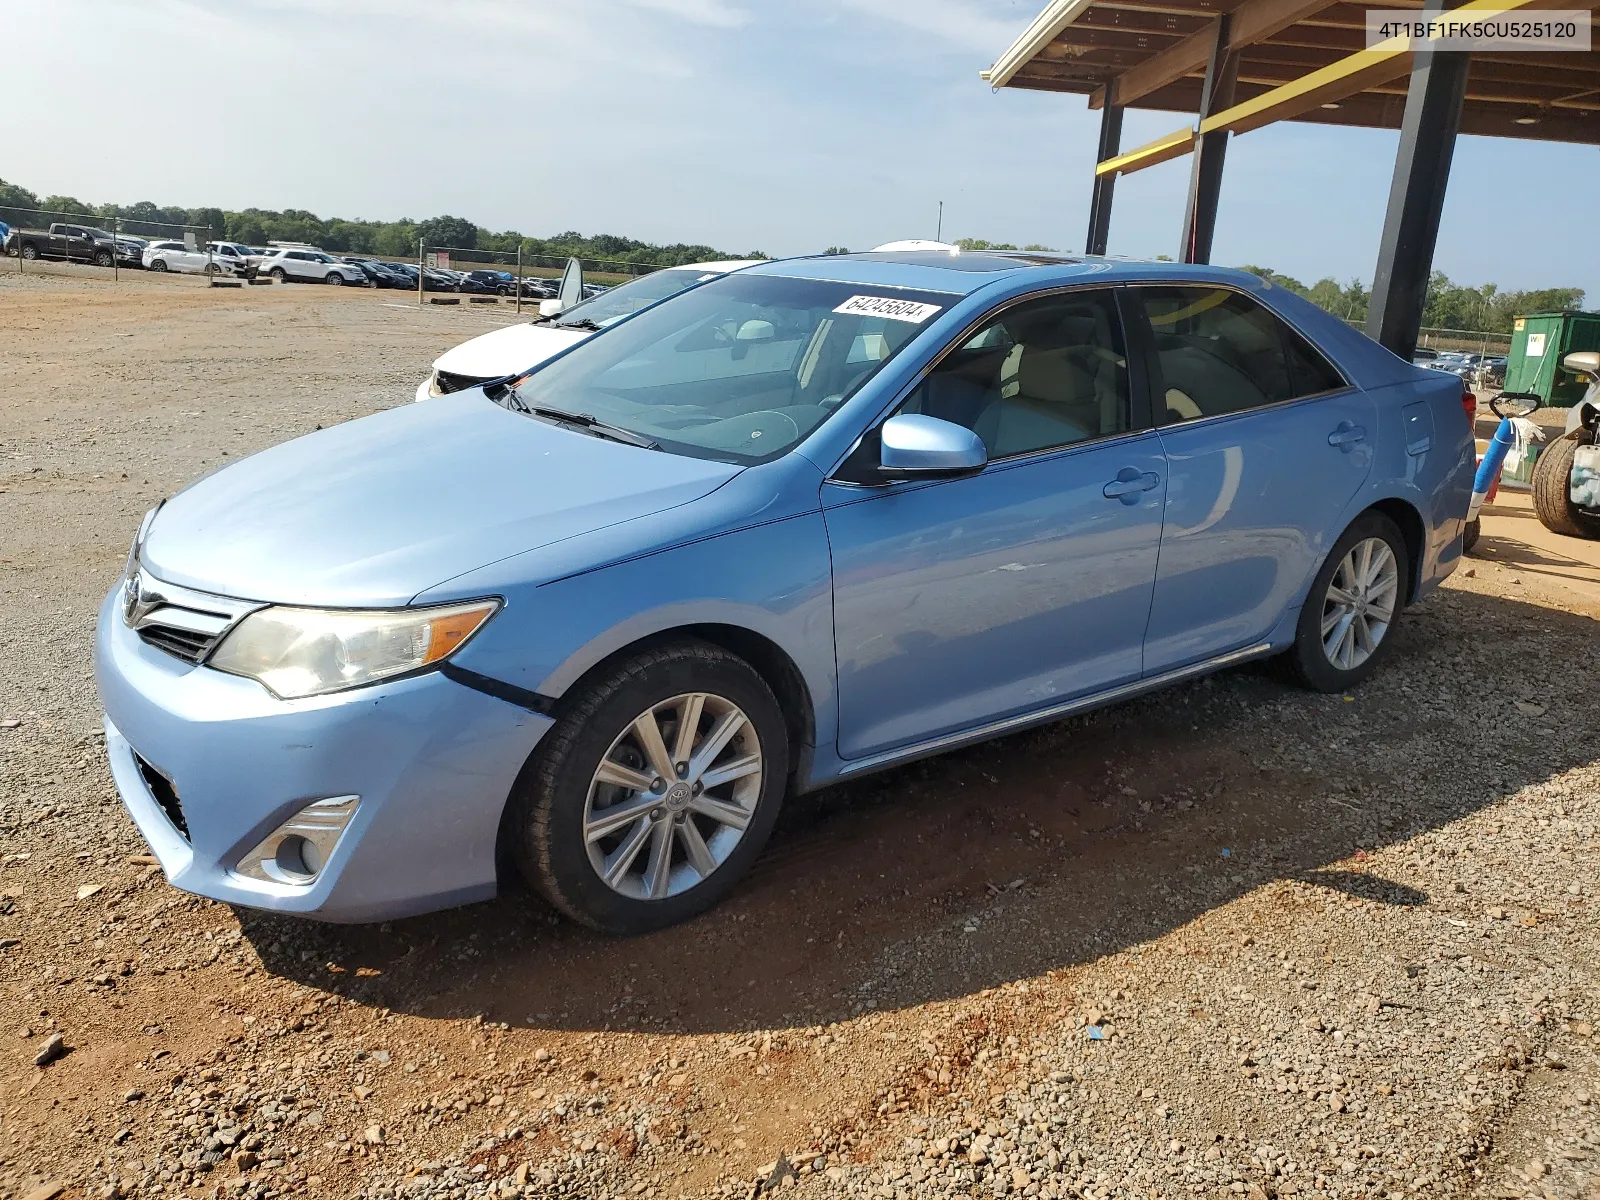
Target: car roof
(966, 272)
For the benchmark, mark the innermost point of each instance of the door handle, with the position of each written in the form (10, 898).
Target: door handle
(1130, 481)
(1347, 435)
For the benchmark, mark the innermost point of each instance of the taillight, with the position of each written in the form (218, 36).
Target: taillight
(1469, 402)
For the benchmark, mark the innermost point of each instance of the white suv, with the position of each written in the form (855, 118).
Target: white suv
(175, 256)
(311, 265)
(514, 348)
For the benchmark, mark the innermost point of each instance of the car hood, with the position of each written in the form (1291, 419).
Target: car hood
(507, 351)
(374, 511)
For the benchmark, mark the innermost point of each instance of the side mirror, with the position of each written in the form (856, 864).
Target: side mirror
(915, 445)
(1583, 362)
(551, 308)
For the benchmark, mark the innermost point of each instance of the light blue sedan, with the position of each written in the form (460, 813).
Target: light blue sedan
(799, 523)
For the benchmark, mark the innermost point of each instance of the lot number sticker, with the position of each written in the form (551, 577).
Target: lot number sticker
(884, 306)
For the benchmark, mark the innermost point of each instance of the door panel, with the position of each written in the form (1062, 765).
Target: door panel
(1252, 505)
(968, 600)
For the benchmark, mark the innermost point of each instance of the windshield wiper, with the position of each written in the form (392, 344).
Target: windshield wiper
(582, 323)
(583, 421)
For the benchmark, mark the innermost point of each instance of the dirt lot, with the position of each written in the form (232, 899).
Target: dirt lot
(1234, 938)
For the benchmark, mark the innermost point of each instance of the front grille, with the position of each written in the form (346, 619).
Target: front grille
(166, 795)
(176, 620)
(187, 645)
(449, 381)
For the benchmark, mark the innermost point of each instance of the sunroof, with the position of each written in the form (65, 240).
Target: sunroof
(976, 261)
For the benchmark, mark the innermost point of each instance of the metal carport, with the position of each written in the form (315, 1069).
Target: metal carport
(1237, 65)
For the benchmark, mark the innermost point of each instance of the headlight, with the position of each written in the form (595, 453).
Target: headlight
(298, 652)
(433, 385)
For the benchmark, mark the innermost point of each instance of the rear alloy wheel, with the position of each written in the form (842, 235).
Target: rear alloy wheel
(1350, 611)
(654, 792)
(334, 279)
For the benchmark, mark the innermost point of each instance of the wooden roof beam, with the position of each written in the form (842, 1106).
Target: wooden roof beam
(1368, 68)
(1251, 21)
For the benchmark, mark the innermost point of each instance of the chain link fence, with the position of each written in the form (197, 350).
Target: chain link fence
(489, 276)
(35, 237)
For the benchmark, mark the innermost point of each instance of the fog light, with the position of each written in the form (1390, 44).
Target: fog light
(295, 852)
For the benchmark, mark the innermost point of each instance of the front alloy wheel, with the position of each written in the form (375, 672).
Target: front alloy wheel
(655, 789)
(673, 796)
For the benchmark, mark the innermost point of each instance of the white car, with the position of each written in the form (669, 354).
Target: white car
(519, 347)
(311, 266)
(175, 256)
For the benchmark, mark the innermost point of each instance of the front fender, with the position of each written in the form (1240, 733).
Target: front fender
(773, 580)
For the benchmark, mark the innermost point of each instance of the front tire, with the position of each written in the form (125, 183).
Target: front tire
(334, 279)
(279, 275)
(1552, 499)
(654, 792)
(102, 259)
(1346, 626)
(1469, 534)
(158, 264)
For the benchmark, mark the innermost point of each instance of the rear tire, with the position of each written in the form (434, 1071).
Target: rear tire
(1552, 502)
(1469, 535)
(30, 253)
(1346, 626)
(703, 841)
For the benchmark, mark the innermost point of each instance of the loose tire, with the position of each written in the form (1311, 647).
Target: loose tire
(158, 264)
(654, 792)
(1346, 626)
(30, 253)
(1469, 535)
(334, 279)
(1552, 502)
(102, 258)
(279, 275)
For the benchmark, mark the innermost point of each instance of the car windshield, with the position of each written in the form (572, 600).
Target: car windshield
(740, 369)
(630, 297)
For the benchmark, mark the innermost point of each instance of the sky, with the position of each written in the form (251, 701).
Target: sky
(785, 126)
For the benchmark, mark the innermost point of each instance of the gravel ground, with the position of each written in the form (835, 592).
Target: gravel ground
(1234, 939)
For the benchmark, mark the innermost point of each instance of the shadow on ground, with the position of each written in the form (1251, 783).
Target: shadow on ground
(1071, 842)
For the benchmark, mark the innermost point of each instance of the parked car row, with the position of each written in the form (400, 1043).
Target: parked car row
(1477, 370)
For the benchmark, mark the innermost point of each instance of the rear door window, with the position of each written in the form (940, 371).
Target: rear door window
(1221, 352)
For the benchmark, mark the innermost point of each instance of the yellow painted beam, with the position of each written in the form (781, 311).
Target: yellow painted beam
(1336, 81)
(1173, 145)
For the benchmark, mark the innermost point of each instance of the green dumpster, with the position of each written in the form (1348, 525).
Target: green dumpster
(1539, 341)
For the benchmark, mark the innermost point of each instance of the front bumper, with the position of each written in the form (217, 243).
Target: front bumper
(432, 762)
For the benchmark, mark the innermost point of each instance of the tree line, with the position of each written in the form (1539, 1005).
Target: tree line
(1483, 309)
(392, 239)
(1449, 305)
